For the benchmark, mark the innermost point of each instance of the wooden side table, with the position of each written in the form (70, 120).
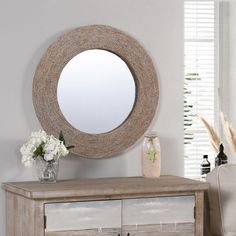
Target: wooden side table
(168, 205)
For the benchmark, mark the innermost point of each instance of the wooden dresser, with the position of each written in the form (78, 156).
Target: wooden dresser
(135, 206)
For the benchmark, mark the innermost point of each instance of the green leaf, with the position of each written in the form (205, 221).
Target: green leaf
(152, 154)
(61, 138)
(39, 150)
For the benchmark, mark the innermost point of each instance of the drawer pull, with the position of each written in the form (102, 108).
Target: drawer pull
(45, 221)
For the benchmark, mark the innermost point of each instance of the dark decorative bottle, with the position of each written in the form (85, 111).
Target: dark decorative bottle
(205, 166)
(221, 158)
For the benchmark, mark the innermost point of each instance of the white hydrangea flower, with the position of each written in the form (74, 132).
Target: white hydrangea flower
(41, 134)
(63, 151)
(53, 148)
(27, 151)
(52, 145)
(38, 137)
(27, 161)
(27, 154)
(48, 156)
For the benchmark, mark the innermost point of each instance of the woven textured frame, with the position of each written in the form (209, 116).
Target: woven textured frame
(46, 79)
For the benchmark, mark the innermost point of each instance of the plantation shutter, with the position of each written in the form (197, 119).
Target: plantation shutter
(199, 82)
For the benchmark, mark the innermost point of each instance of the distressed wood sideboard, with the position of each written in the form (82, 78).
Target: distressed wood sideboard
(134, 206)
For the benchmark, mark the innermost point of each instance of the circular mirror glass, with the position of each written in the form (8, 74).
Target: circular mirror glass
(96, 91)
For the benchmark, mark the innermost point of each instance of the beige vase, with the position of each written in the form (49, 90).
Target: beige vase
(151, 156)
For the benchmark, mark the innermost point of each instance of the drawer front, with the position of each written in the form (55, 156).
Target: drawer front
(159, 216)
(83, 218)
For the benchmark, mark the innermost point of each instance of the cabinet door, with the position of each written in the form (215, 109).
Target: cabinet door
(161, 216)
(83, 218)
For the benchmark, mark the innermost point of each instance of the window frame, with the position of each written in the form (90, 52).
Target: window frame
(218, 104)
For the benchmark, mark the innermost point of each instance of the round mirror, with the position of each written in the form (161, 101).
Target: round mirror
(96, 91)
(98, 86)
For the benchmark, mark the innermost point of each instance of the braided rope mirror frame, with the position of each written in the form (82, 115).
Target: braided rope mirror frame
(47, 74)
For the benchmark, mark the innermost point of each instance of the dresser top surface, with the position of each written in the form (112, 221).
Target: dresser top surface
(106, 187)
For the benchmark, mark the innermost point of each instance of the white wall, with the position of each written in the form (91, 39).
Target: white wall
(232, 61)
(228, 65)
(27, 27)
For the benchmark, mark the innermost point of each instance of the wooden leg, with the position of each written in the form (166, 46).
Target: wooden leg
(199, 213)
(9, 214)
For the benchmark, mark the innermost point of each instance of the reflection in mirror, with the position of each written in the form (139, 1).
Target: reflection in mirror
(96, 91)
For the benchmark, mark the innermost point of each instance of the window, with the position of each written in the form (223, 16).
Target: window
(199, 81)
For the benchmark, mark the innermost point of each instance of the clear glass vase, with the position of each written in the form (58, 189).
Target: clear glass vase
(46, 171)
(151, 156)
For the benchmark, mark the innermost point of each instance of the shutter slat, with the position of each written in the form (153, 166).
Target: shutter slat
(199, 53)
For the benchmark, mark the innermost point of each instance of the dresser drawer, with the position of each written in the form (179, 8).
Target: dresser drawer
(83, 218)
(157, 216)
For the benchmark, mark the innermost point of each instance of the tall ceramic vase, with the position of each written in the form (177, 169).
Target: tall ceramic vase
(151, 156)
